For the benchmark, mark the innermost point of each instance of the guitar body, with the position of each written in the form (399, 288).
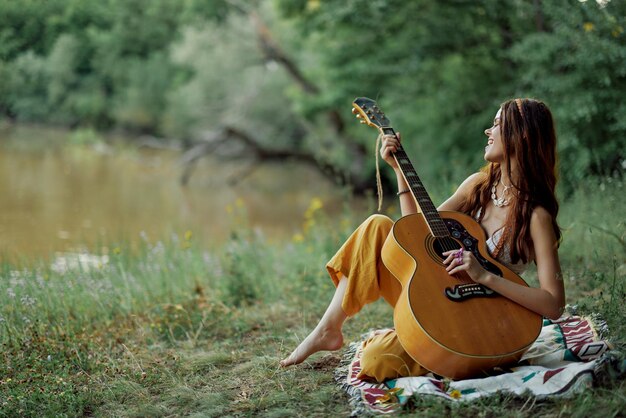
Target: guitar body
(449, 324)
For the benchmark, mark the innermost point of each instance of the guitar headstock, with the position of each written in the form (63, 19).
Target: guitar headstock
(367, 111)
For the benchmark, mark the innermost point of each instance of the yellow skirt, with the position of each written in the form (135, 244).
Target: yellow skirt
(359, 260)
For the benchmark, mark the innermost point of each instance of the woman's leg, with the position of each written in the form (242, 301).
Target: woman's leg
(360, 277)
(327, 334)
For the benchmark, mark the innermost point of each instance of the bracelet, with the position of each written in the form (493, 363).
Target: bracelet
(401, 192)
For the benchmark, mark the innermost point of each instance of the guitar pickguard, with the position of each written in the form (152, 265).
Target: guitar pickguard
(463, 292)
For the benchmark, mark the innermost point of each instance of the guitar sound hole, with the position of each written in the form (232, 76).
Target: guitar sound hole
(441, 245)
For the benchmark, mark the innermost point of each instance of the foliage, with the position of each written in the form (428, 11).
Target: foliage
(440, 69)
(581, 67)
(99, 64)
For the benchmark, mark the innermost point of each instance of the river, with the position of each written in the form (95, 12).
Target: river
(62, 195)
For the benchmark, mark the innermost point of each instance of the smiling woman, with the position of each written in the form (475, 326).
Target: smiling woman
(513, 201)
(494, 148)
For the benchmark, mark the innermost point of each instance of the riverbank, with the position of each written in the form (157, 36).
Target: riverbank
(176, 329)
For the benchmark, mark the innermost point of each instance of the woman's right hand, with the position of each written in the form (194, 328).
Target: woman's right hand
(390, 144)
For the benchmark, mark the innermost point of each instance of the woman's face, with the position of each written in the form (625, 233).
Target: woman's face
(494, 151)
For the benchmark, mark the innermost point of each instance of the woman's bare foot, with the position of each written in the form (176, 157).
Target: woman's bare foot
(319, 339)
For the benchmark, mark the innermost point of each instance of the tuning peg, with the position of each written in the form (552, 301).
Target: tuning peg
(358, 116)
(363, 121)
(354, 110)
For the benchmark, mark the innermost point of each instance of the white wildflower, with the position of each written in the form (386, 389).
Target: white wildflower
(40, 281)
(28, 301)
(158, 249)
(17, 281)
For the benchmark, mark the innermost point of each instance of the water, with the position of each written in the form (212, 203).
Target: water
(65, 198)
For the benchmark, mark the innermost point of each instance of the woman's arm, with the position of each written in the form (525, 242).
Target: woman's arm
(548, 299)
(389, 146)
(408, 205)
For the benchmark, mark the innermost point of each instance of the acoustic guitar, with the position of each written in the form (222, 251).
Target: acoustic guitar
(451, 325)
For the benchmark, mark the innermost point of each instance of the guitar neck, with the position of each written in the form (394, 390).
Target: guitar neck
(429, 211)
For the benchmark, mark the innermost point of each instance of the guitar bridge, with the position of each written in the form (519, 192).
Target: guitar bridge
(462, 292)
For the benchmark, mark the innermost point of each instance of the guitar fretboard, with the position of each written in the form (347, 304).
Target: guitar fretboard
(431, 214)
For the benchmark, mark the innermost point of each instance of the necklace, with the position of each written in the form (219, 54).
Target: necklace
(502, 201)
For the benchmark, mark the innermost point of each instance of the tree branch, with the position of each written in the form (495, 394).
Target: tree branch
(272, 51)
(258, 151)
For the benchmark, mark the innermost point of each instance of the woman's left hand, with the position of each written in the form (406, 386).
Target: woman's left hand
(460, 260)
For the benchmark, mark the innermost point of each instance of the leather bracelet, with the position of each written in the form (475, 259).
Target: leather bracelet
(401, 192)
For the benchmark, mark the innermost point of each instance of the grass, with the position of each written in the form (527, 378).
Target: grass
(175, 330)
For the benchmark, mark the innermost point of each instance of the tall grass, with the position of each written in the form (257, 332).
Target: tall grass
(175, 329)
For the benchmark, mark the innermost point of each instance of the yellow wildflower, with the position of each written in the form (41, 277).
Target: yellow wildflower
(308, 224)
(297, 238)
(588, 26)
(188, 235)
(313, 5)
(456, 394)
(117, 250)
(315, 205)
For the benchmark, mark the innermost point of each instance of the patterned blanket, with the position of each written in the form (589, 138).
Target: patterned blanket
(564, 360)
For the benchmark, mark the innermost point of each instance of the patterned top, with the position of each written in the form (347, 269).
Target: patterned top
(505, 254)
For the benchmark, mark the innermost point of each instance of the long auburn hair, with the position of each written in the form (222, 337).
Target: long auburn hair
(528, 135)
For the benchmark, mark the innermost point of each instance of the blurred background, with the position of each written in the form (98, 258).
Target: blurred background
(123, 120)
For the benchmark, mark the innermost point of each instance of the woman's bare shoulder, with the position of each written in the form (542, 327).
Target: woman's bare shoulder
(541, 226)
(472, 180)
(541, 217)
(461, 194)
(468, 184)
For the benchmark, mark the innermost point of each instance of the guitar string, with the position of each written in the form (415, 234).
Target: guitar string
(431, 214)
(435, 221)
(424, 200)
(429, 209)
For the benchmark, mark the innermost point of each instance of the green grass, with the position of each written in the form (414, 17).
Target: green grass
(175, 330)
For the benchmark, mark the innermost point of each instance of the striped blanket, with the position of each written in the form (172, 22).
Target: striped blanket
(564, 360)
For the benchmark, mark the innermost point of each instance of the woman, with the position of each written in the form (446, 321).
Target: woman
(513, 200)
